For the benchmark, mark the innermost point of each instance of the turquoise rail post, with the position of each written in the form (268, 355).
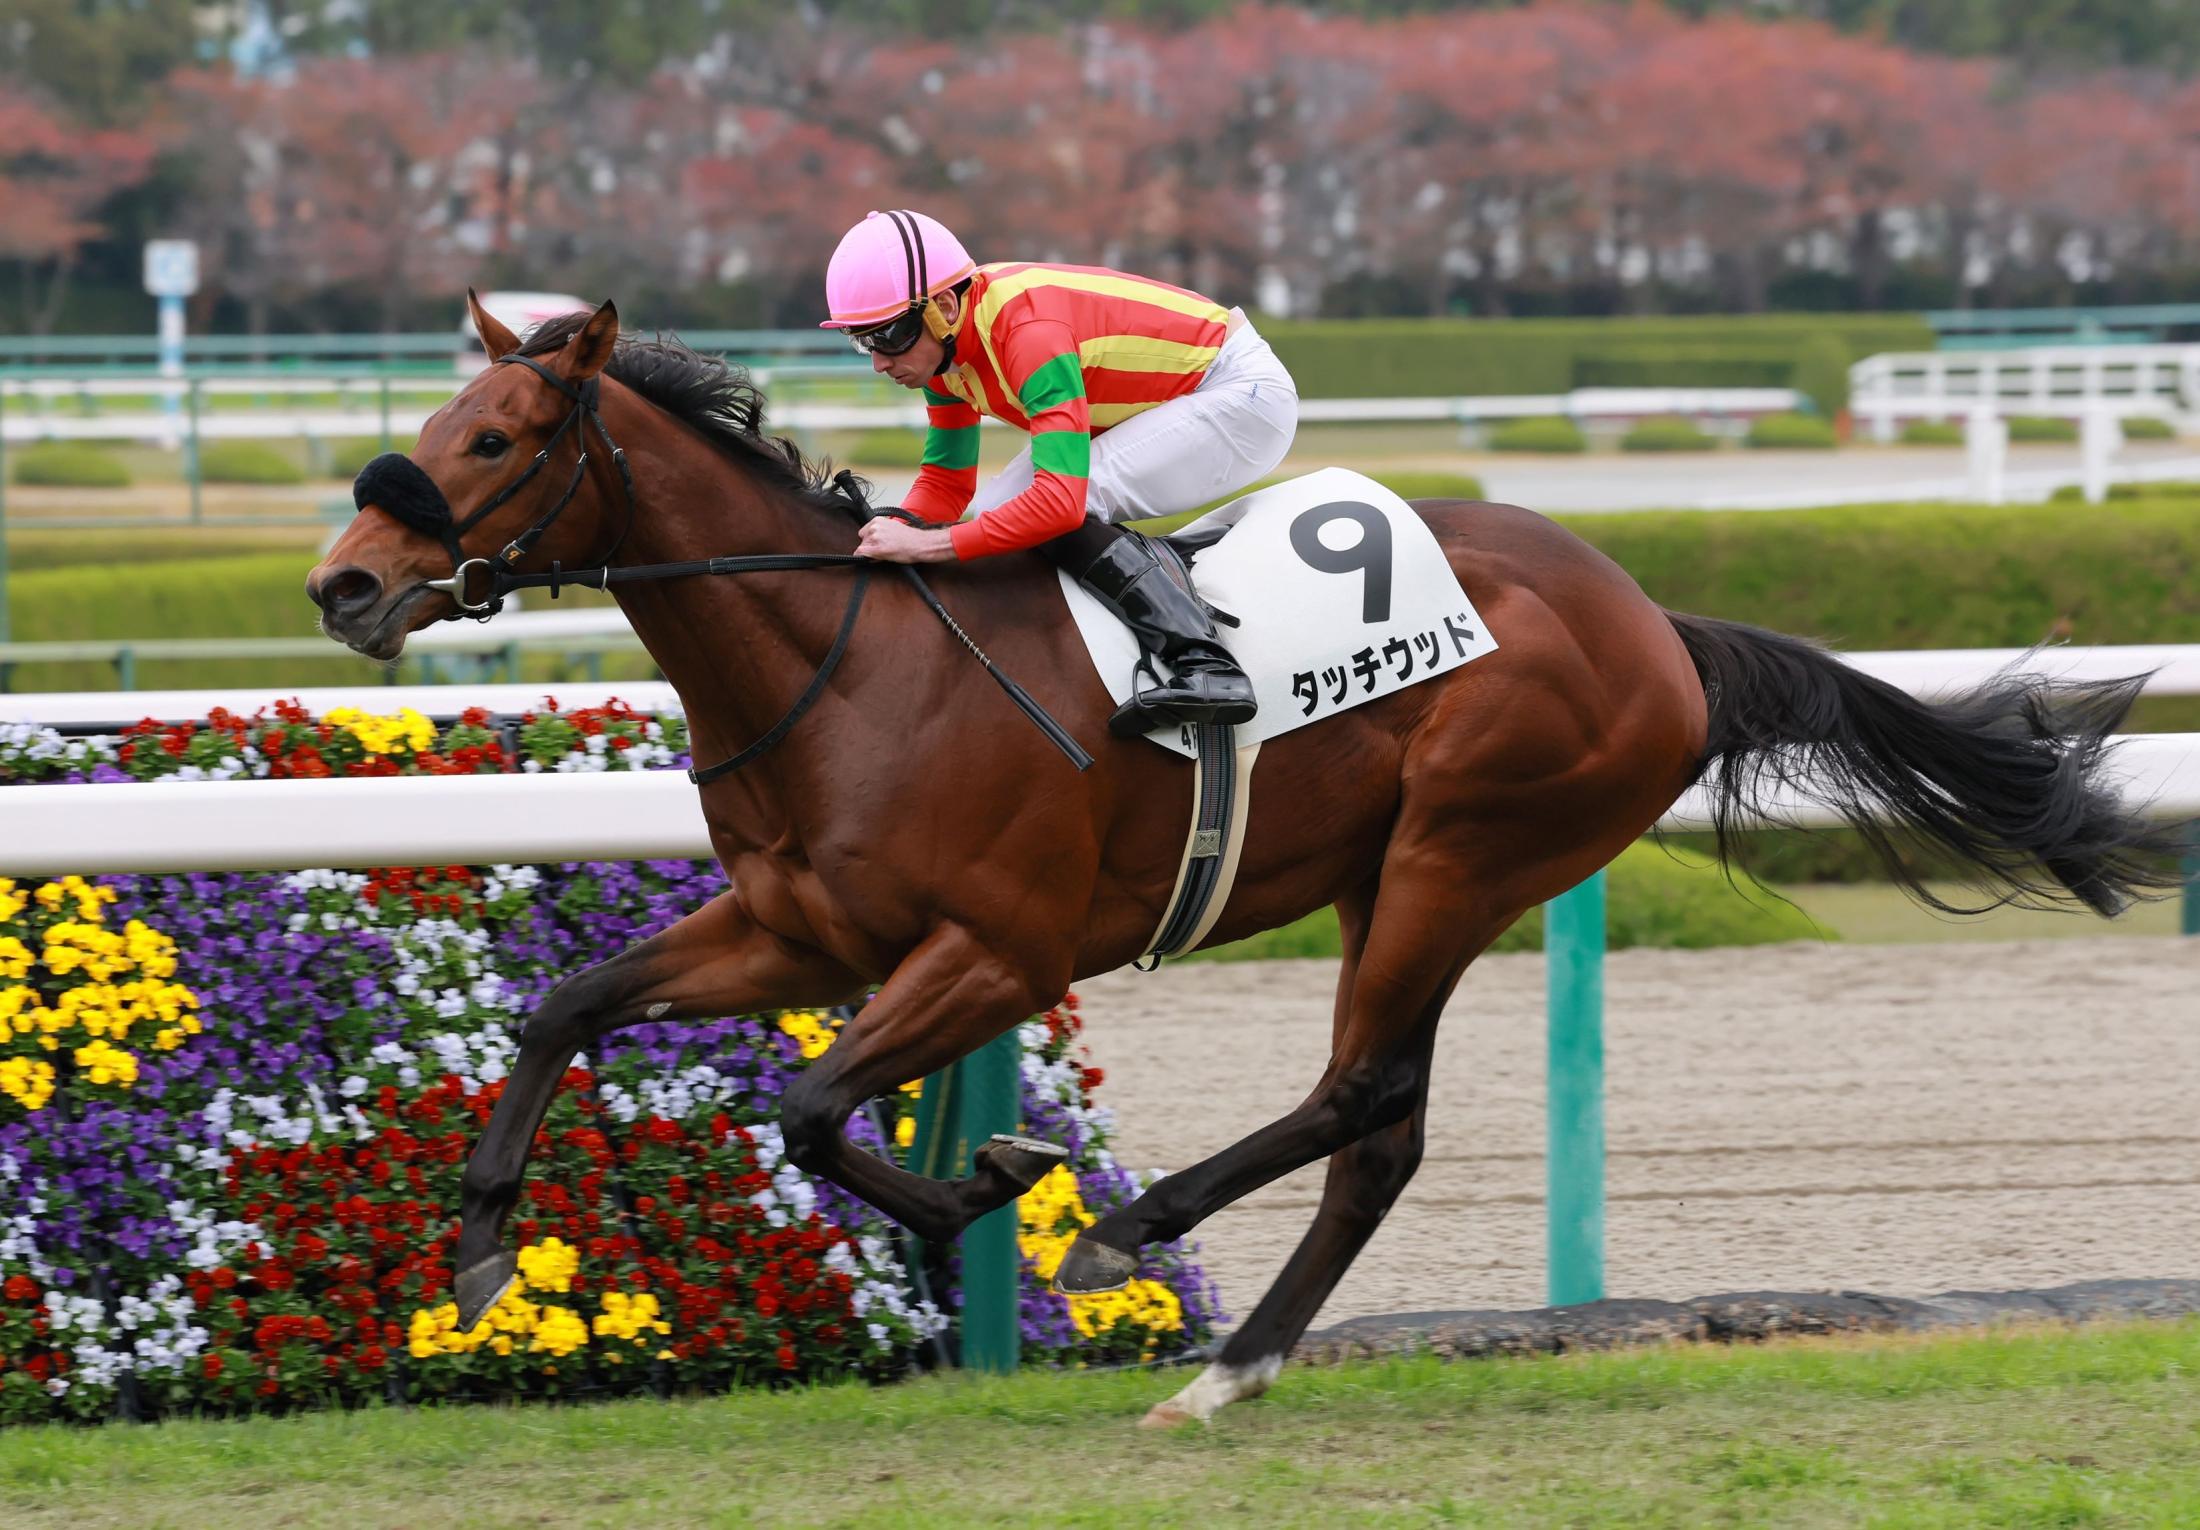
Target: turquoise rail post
(2188, 912)
(192, 469)
(958, 1111)
(1573, 947)
(4, 632)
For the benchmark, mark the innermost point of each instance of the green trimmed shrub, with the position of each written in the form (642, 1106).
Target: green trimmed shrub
(2147, 427)
(1679, 899)
(68, 465)
(1431, 485)
(1419, 358)
(1781, 432)
(246, 462)
(2036, 427)
(1932, 433)
(1548, 433)
(1822, 374)
(348, 454)
(2129, 493)
(1666, 435)
(893, 447)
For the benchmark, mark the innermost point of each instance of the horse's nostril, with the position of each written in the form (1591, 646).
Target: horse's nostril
(347, 592)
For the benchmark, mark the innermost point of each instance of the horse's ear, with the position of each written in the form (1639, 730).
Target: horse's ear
(589, 351)
(495, 338)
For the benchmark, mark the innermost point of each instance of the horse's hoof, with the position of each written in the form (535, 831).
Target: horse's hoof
(480, 1287)
(1091, 1267)
(1169, 1415)
(1024, 1160)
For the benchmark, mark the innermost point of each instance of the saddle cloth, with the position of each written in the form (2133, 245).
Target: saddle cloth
(1339, 593)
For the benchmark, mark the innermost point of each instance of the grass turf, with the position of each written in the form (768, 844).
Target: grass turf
(2092, 1426)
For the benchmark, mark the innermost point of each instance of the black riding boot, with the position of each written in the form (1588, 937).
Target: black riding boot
(1124, 571)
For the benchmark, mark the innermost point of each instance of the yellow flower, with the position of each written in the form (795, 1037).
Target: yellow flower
(549, 1265)
(905, 1131)
(27, 1080)
(12, 902)
(103, 1064)
(1049, 1217)
(384, 735)
(629, 1317)
(813, 1032)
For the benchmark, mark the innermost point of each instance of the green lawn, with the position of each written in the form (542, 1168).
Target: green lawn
(2097, 1426)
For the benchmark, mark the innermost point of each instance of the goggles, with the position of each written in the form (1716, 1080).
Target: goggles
(893, 337)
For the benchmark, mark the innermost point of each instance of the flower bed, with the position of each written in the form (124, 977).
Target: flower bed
(234, 1108)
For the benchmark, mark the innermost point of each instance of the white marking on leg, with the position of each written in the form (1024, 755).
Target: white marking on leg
(659, 1010)
(1218, 1386)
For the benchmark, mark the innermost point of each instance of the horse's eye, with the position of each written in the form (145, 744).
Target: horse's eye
(491, 444)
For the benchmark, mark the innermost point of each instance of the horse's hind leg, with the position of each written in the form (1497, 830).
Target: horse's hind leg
(717, 961)
(947, 999)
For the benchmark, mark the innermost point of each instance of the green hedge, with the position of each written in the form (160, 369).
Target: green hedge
(1548, 433)
(1778, 432)
(1413, 358)
(246, 462)
(1654, 897)
(1822, 374)
(1923, 576)
(895, 448)
(2146, 427)
(1668, 435)
(1932, 433)
(2034, 427)
(68, 465)
(1431, 485)
(346, 455)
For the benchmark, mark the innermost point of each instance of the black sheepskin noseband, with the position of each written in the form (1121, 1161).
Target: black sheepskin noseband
(396, 483)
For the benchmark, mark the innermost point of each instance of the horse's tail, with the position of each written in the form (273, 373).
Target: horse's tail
(2005, 778)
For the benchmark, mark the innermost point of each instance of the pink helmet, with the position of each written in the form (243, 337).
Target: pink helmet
(889, 263)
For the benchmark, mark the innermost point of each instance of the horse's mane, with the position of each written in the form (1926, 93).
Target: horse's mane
(707, 392)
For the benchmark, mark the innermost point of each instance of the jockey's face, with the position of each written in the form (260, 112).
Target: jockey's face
(914, 367)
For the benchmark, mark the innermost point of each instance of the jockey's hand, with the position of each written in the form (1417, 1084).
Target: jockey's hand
(893, 541)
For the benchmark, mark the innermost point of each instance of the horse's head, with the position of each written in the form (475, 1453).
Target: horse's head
(478, 479)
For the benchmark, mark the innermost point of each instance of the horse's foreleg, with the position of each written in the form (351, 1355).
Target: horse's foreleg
(950, 997)
(715, 962)
(1421, 940)
(1365, 1179)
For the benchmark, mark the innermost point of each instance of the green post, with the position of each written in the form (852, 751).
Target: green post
(4, 630)
(1573, 949)
(126, 668)
(191, 450)
(2189, 911)
(958, 1111)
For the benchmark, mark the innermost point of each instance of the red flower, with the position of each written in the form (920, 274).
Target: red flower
(21, 1288)
(212, 1365)
(787, 1361)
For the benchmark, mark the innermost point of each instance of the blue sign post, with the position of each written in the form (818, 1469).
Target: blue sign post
(171, 275)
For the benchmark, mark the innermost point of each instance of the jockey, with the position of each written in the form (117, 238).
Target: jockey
(1142, 399)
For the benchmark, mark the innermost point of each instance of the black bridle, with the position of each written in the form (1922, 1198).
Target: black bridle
(398, 485)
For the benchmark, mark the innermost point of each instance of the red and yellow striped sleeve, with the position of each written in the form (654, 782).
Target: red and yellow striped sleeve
(949, 474)
(1039, 359)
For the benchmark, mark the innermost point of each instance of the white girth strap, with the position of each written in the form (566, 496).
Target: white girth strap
(1199, 845)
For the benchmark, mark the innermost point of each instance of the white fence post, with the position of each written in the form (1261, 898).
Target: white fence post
(1986, 436)
(2099, 434)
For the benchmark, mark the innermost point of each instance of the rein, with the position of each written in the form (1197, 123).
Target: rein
(398, 485)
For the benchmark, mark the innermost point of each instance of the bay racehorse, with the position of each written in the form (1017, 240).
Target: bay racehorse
(913, 833)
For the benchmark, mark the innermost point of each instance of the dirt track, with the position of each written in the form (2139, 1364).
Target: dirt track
(1901, 1119)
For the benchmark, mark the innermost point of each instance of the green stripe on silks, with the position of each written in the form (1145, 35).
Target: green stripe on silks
(1066, 452)
(934, 396)
(1059, 381)
(953, 449)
